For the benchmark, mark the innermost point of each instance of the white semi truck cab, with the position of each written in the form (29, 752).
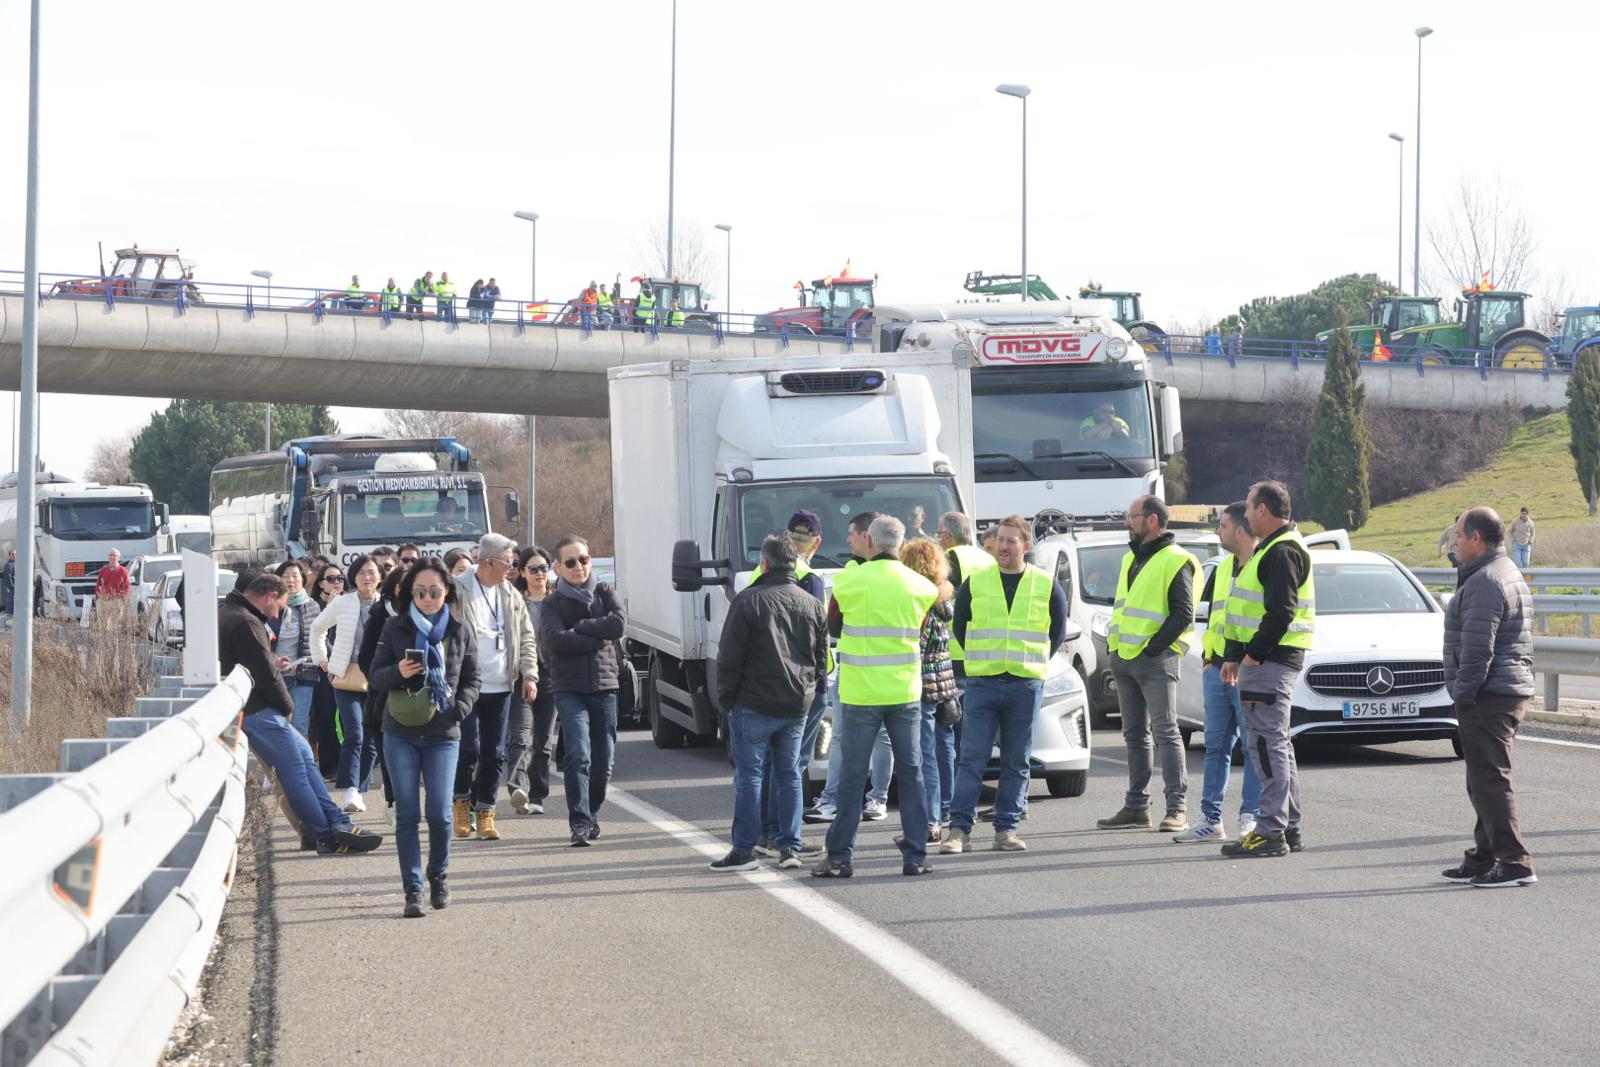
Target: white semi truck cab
(1066, 412)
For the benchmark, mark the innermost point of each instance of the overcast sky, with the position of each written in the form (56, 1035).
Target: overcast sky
(1203, 153)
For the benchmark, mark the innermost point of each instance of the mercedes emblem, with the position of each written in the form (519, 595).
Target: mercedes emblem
(1380, 680)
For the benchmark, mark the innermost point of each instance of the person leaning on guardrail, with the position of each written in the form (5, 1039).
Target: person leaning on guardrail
(243, 640)
(1488, 668)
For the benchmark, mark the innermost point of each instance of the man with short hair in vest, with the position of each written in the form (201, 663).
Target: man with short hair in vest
(1146, 640)
(1271, 619)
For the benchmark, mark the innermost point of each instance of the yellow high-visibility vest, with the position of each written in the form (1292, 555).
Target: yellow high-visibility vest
(883, 603)
(1138, 612)
(972, 559)
(1012, 639)
(1247, 600)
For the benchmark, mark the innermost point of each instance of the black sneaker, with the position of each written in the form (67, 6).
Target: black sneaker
(788, 860)
(1291, 837)
(832, 869)
(1463, 872)
(354, 839)
(594, 832)
(580, 839)
(766, 848)
(414, 904)
(915, 868)
(438, 892)
(308, 843)
(736, 861)
(810, 849)
(1256, 846)
(1500, 877)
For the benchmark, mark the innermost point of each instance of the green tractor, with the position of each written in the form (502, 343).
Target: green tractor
(1387, 315)
(1128, 312)
(1487, 320)
(983, 284)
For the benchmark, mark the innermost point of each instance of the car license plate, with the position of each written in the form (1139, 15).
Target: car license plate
(1381, 709)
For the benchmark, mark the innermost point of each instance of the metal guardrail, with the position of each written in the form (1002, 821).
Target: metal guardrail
(1555, 656)
(114, 878)
(1234, 348)
(1585, 580)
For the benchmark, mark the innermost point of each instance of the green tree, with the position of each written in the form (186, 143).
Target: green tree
(1583, 412)
(1339, 450)
(1304, 315)
(175, 452)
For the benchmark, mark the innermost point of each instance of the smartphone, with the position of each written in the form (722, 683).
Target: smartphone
(415, 655)
(301, 662)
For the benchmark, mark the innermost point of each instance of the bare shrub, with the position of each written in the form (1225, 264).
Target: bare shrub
(1414, 451)
(1568, 546)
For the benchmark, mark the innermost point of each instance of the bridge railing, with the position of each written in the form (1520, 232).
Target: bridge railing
(114, 877)
(1233, 348)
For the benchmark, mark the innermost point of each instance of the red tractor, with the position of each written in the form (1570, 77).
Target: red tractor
(139, 274)
(829, 308)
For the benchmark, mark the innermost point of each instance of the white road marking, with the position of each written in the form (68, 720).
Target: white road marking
(1555, 741)
(995, 1027)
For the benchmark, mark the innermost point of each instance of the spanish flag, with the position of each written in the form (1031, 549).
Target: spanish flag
(1486, 286)
(1379, 352)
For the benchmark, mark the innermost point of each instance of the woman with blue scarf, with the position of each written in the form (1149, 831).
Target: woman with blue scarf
(425, 696)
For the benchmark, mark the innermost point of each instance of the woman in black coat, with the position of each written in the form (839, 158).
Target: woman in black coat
(372, 711)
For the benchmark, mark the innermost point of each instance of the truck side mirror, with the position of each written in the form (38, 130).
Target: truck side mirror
(1171, 422)
(513, 507)
(1072, 632)
(166, 518)
(44, 517)
(688, 569)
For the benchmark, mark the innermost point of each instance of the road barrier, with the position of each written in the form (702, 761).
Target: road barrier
(1555, 656)
(114, 877)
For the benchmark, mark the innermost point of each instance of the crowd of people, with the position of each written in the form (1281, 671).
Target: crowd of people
(595, 307)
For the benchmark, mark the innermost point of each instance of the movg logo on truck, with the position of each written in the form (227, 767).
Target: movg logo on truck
(1041, 348)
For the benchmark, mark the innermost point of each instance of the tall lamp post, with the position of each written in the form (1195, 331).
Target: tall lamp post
(728, 296)
(531, 217)
(1400, 218)
(266, 419)
(1021, 93)
(672, 138)
(22, 641)
(1416, 149)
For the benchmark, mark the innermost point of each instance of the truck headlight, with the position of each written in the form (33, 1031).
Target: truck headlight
(1116, 348)
(1099, 623)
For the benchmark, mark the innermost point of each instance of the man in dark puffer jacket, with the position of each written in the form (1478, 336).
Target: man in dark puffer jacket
(1488, 667)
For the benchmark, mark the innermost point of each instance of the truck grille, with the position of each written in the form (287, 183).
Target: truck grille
(1381, 678)
(811, 383)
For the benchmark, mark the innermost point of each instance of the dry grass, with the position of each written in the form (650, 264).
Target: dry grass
(81, 677)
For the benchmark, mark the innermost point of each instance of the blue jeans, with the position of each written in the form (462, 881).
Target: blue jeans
(882, 768)
(428, 763)
(358, 750)
(276, 742)
(1521, 554)
(1224, 725)
(858, 732)
(1005, 706)
(301, 693)
(765, 747)
(482, 762)
(588, 751)
(808, 745)
(938, 764)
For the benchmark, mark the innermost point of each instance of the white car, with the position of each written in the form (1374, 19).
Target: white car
(144, 577)
(1375, 672)
(164, 619)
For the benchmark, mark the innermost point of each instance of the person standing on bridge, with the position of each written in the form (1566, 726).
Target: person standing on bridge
(581, 627)
(1521, 539)
(1271, 618)
(353, 295)
(644, 308)
(1146, 639)
(389, 299)
(475, 302)
(444, 297)
(426, 672)
(491, 297)
(422, 287)
(1488, 668)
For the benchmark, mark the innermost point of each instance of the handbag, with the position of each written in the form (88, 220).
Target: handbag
(948, 712)
(352, 680)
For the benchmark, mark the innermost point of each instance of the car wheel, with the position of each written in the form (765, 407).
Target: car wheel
(665, 734)
(1067, 783)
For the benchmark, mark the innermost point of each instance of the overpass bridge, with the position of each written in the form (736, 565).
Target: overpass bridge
(233, 348)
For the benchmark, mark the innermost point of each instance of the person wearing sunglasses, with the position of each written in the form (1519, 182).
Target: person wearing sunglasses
(530, 724)
(409, 554)
(580, 626)
(498, 617)
(426, 673)
(345, 616)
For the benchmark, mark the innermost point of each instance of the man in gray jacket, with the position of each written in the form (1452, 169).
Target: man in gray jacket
(1488, 667)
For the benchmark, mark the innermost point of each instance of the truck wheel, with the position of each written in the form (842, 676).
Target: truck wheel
(665, 734)
(1067, 783)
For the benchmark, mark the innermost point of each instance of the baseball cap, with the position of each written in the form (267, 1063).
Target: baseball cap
(807, 522)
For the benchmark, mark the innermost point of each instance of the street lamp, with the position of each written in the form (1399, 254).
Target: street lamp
(266, 418)
(266, 276)
(1416, 148)
(728, 295)
(1400, 218)
(1021, 93)
(531, 217)
(672, 139)
(22, 642)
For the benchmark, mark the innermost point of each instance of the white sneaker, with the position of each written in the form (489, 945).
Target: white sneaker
(1201, 832)
(352, 802)
(875, 812)
(1247, 823)
(519, 801)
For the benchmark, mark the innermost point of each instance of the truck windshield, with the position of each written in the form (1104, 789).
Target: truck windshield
(1029, 430)
(102, 520)
(765, 509)
(391, 516)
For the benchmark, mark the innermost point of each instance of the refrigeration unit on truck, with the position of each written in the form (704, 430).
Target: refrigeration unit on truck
(77, 524)
(1067, 414)
(343, 496)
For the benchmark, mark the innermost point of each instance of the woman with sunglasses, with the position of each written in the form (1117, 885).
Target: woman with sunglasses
(346, 615)
(293, 641)
(426, 672)
(528, 729)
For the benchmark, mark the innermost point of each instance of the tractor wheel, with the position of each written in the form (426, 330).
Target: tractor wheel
(1522, 353)
(1435, 357)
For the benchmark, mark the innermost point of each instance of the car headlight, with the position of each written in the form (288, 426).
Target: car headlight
(1063, 684)
(1099, 623)
(1116, 348)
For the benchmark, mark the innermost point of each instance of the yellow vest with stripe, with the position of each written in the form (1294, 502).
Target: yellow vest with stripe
(1140, 611)
(1215, 639)
(973, 560)
(883, 603)
(644, 307)
(1012, 639)
(1247, 600)
(391, 298)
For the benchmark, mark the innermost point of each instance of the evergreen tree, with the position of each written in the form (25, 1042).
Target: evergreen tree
(174, 454)
(1339, 450)
(1583, 412)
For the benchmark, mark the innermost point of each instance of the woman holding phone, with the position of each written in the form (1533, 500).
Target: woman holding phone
(426, 673)
(293, 643)
(346, 614)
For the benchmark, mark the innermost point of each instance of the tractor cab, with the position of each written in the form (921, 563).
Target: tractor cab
(1580, 329)
(839, 299)
(148, 273)
(1129, 313)
(687, 294)
(1490, 316)
(1403, 312)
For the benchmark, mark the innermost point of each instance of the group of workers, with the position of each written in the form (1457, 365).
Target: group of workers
(595, 307)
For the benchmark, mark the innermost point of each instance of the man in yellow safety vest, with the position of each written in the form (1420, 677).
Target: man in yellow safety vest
(878, 610)
(644, 308)
(1271, 618)
(966, 559)
(1224, 716)
(390, 297)
(1146, 640)
(444, 292)
(1010, 619)
(353, 296)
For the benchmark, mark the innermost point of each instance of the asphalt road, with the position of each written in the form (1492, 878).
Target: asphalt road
(1095, 946)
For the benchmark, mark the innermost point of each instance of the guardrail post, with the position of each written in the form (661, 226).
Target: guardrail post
(181, 304)
(317, 308)
(1294, 354)
(521, 326)
(1552, 691)
(249, 302)
(111, 296)
(849, 337)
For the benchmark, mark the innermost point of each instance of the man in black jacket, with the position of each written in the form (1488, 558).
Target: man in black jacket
(772, 664)
(243, 640)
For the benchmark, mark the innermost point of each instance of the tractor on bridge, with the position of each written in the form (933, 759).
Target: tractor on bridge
(690, 298)
(1129, 313)
(1488, 321)
(995, 285)
(138, 274)
(829, 307)
(1580, 332)
(1387, 315)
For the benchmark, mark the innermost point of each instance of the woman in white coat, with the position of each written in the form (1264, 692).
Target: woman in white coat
(346, 615)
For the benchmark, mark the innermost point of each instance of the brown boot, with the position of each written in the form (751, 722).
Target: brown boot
(1127, 819)
(462, 817)
(486, 830)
